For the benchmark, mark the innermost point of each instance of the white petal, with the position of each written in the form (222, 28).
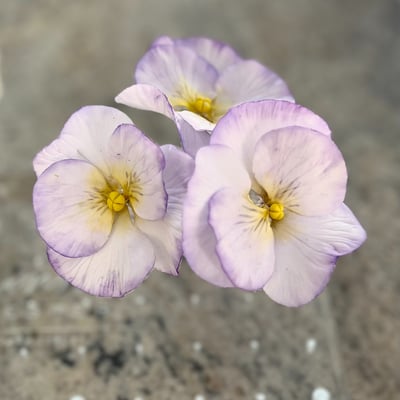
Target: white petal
(214, 170)
(248, 80)
(166, 234)
(243, 126)
(132, 157)
(306, 250)
(196, 121)
(84, 137)
(116, 269)
(146, 97)
(302, 169)
(245, 241)
(71, 214)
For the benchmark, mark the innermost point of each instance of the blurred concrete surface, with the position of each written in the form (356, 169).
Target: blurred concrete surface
(182, 338)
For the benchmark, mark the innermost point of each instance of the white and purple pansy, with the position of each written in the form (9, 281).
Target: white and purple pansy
(265, 207)
(195, 81)
(108, 202)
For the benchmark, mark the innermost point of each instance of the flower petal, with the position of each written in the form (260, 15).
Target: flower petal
(302, 169)
(175, 70)
(243, 126)
(196, 121)
(71, 214)
(166, 234)
(116, 269)
(214, 170)
(245, 241)
(249, 80)
(146, 97)
(133, 158)
(306, 249)
(216, 53)
(84, 137)
(192, 140)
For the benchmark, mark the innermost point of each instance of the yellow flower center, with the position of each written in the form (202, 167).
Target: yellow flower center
(202, 106)
(276, 211)
(116, 201)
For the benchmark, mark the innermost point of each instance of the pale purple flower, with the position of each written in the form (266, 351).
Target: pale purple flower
(265, 207)
(108, 202)
(195, 81)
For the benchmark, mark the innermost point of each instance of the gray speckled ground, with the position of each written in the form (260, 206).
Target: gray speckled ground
(182, 338)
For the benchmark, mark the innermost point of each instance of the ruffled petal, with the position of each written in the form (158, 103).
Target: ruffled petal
(146, 97)
(71, 213)
(302, 169)
(249, 80)
(84, 137)
(176, 71)
(214, 170)
(166, 234)
(137, 163)
(216, 53)
(245, 241)
(243, 126)
(116, 269)
(192, 140)
(306, 249)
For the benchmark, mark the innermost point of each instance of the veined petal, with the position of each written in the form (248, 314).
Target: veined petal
(166, 234)
(306, 249)
(243, 125)
(176, 70)
(117, 268)
(248, 80)
(192, 140)
(146, 97)
(245, 241)
(84, 137)
(71, 213)
(137, 163)
(216, 53)
(214, 170)
(302, 169)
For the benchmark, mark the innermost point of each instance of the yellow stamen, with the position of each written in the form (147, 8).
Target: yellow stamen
(276, 211)
(116, 201)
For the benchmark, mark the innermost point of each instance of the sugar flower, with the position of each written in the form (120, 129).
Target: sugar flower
(195, 81)
(265, 207)
(108, 202)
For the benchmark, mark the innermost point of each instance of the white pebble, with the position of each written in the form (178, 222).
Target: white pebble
(139, 348)
(138, 398)
(140, 300)
(199, 397)
(260, 396)
(81, 350)
(197, 346)
(77, 397)
(311, 345)
(254, 345)
(321, 393)
(23, 352)
(194, 299)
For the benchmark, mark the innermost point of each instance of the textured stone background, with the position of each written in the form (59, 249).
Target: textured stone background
(182, 338)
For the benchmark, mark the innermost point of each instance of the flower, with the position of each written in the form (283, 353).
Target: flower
(108, 202)
(195, 81)
(264, 208)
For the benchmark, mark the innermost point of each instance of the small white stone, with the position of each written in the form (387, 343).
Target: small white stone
(138, 398)
(77, 397)
(23, 352)
(254, 344)
(321, 393)
(311, 345)
(260, 396)
(81, 350)
(194, 299)
(139, 348)
(197, 346)
(140, 300)
(199, 397)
